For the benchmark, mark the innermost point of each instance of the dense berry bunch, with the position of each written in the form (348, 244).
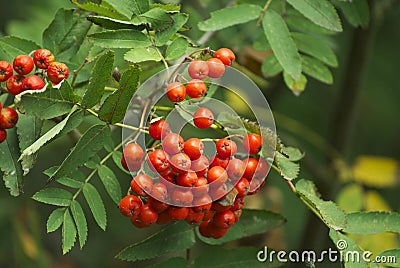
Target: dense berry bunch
(8, 119)
(184, 183)
(23, 65)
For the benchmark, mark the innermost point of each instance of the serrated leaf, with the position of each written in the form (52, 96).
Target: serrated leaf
(285, 50)
(329, 212)
(356, 12)
(289, 170)
(114, 107)
(176, 49)
(53, 132)
(124, 38)
(9, 165)
(111, 183)
(350, 198)
(251, 222)
(123, 7)
(69, 182)
(293, 154)
(317, 70)
(230, 16)
(157, 18)
(96, 205)
(28, 130)
(101, 9)
(91, 142)
(141, 54)
(68, 233)
(140, 6)
(298, 22)
(100, 74)
(321, 12)
(53, 196)
(392, 256)
(117, 156)
(312, 46)
(176, 262)
(162, 36)
(49, 104)
(232, 258)
(55, 219)
(113, 24)
(170, 8)
(372, 222)
(11, 46)
(175, 237)
(271, 66)
(80, 221)
(93, 162)
(297, 87)
(66, 33)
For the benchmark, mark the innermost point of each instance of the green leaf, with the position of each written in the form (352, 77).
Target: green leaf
(176, 262)
(69, 182)
(162, 36)
(123, 7)
(251, 222)
(175, 237)
(372, 222)
(230, 16)
(176, 49)
(111, 183)
(125, 38)
(298, 22)
(114, 107)
(317, 70)
(321, 12)
(113, 24)
(68, 232)
(139, 6)
(96, 205)
(117, 156)
(232, 258)
(66, 33)
(141, 54)
(329, 212)
(49, 104)
(80, 221)
(55, 219)
(391, 256)
(282, 44)
(293, 154)
(312, 46)
(100, 74)
(171, 8)
(102, 9)
(356, 12)
(91, 142)
(157, 18)
(28, 130)
(9, 165)
(11, 46)
(349, 248)
(289, 169)
(297, 87)
(271, 66)
(54, 196)
(351, 198)
(49, 135)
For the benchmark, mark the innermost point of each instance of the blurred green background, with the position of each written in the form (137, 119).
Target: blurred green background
(308, 122)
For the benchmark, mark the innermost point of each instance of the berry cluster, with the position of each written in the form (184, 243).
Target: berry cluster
(8, 119)
(23, 65)
(188, 185)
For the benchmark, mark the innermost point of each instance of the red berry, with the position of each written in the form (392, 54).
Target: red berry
(208, 215)
(252, 143)
(262, 169)
(242, 186)
(159, 129)
(172, 143)
(187, 179)
(218, 207)
(224, 219)
(159, 191)
(180, 163)
(200, 187)
(216, 68)
(216, 161)
(251, 166)
(176, 92)
(193, 147)
(130, 205)
(238, 204)
(218, 191)
(202, 203)
(204, 229)
(200, 166)
(235, 169)
(23, 64)
(42, 58)
(132, 157)
(3, 135)
(226, 148)
(182, 197)
(178, 213)
(57, 71)
(217, 173)
(14, 84)
(148, 215)
(196, 88)
(217, 232)
(139, 224)
(164, 217)
(6, 70)
(203, 118)
(8, 118)
(194, 217)
(141, 184)
(225, 55)
(158, 160)
(198, 69)
(32, 82)
(157, 205)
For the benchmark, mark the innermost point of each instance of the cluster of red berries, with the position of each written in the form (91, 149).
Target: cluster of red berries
(8, 119)
(23, 65)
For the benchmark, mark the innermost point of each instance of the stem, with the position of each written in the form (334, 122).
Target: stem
(77, 71)
(188, 256)
(263, 12)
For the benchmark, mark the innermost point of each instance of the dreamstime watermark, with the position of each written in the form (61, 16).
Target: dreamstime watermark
(310, 257)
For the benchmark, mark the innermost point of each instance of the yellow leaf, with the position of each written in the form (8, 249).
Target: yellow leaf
(373, 201)
(376, 171)
(350, 198)
(376, 243)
